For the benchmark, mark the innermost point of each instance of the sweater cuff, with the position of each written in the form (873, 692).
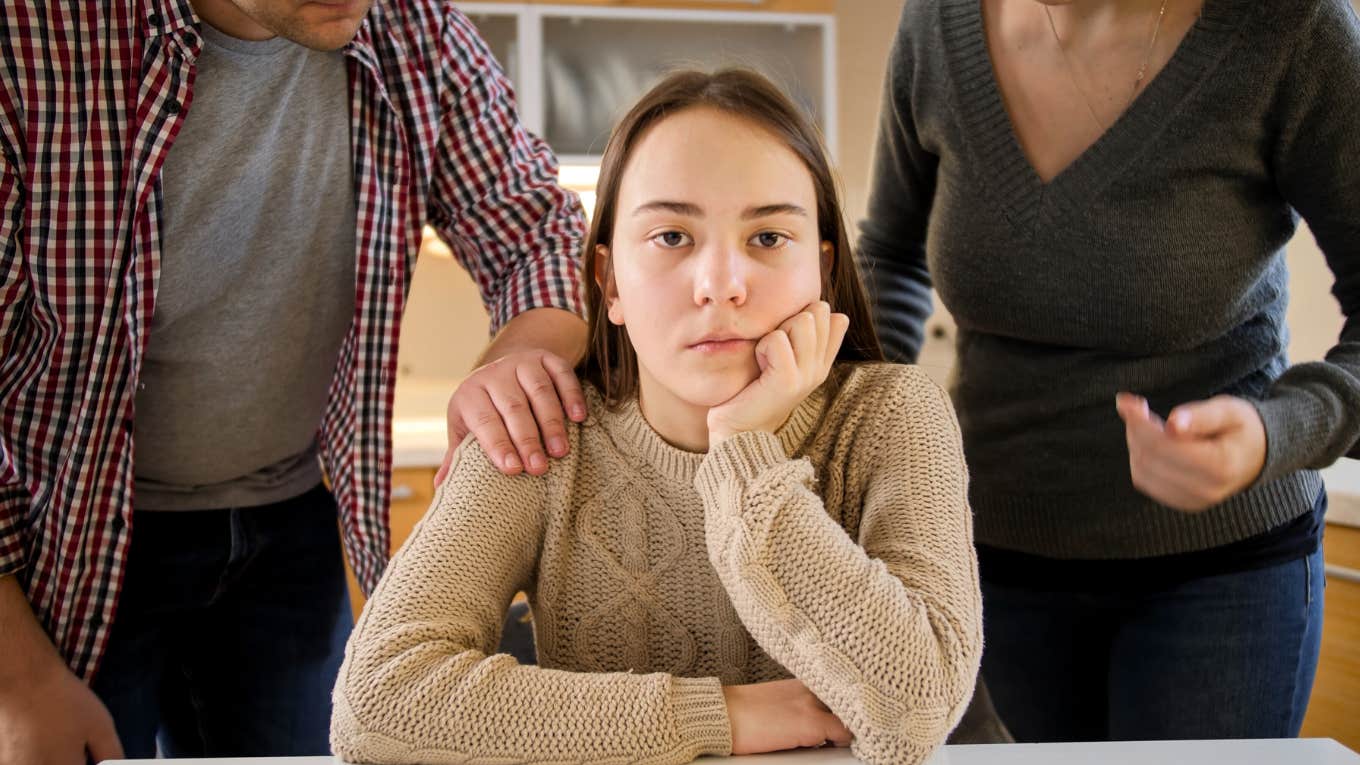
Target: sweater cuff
(739, 458)
(1297, 426)
(701, 715)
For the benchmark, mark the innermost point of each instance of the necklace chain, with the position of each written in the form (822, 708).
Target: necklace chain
(1142, 69)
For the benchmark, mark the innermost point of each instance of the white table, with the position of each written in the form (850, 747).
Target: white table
(1307, 751)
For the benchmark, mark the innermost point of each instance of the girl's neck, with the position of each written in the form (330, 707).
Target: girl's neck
(679, 423)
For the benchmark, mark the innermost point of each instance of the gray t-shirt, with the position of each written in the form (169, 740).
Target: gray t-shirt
(256, 290)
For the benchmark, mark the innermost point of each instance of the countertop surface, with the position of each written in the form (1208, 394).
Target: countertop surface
(420, 436)
(1309, 751)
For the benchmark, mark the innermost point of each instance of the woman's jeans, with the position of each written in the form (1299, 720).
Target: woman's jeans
(229, 631)
(1230, 656)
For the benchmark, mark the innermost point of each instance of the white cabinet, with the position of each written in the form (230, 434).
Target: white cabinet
(577, 68)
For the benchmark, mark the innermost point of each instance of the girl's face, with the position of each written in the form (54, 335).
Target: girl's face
(714, 245)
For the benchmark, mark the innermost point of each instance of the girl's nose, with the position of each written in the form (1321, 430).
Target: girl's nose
(720, 275)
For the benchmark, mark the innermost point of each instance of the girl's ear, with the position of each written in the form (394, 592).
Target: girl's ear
(828, 260)
(604, 278)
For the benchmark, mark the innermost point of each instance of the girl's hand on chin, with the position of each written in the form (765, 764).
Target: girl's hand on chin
(794, 359)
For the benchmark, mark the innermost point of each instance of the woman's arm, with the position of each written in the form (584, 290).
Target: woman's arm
(1312, 413)
(892, 242)
(420, 683)
(885, 629)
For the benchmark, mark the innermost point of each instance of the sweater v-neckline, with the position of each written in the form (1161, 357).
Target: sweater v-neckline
(989, 133)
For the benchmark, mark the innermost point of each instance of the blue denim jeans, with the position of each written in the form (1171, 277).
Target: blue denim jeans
(1230, 656)
(229, 631)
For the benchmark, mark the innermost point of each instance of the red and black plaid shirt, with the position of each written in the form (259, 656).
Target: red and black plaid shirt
(92, 97)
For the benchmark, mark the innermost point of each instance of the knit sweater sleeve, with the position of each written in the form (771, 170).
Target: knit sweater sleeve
(885, 628)
(892, 241)
(421, 682)
(1312, 413)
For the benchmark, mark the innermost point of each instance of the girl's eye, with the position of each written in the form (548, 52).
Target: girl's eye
(671, 239)
(769, 239)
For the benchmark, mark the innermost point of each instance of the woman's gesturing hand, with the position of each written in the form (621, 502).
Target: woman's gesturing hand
(793, 359)
(1205, 451)
(783, 714)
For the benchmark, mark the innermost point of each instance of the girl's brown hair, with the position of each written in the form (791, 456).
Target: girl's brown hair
(610, 362)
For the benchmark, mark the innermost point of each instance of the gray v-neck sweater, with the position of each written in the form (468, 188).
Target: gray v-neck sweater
(1153, 264)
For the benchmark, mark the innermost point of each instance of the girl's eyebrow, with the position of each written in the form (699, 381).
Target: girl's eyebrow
(765, 211)
(663, 205)
(694, 211)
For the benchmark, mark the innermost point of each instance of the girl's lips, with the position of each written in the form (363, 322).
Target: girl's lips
(722, 346)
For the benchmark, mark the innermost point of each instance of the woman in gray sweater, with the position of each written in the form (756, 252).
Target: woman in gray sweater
(1101, 192)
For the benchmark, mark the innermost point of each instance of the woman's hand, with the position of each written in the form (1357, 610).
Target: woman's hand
(794, 359)
(1205, 451)
(783, 714)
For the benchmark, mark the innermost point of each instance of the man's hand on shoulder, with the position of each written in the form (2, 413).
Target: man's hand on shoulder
(515, 406)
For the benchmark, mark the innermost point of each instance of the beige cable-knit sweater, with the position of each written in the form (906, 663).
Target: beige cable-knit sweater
(657, 575)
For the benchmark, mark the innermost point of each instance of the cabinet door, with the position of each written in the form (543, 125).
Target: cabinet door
(1336, 691)
(500, 31)
(596, 65)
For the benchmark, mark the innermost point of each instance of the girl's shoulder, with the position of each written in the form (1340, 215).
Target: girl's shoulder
(874, 384)
(883, 397)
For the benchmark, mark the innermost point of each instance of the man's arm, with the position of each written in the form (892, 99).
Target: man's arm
(495, 199)
(559, 332)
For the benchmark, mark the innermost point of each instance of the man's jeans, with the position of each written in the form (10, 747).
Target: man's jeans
(229, 631)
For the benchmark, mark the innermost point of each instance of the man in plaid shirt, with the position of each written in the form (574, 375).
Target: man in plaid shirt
(211, 210)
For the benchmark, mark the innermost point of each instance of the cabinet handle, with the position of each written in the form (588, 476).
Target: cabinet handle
(402, 491)
(1343, 573)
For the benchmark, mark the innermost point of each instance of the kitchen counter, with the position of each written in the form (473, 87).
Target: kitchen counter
(1308, 751)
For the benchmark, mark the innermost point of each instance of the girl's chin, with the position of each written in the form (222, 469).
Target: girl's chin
(709, 396)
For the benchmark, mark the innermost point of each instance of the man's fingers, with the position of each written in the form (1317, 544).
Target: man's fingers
(546, 406)
(484, 420)
(568, 387)
(518, 418)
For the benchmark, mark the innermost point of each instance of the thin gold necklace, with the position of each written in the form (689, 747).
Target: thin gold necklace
(1072, 72)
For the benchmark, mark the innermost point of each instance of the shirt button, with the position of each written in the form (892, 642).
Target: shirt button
(154, 19)
(172, 106)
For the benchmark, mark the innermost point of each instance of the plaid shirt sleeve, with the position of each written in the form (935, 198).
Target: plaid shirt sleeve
(494, 195)
(12, 298)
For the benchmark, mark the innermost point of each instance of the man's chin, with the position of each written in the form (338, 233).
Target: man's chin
(325, 38)
(323, 28)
